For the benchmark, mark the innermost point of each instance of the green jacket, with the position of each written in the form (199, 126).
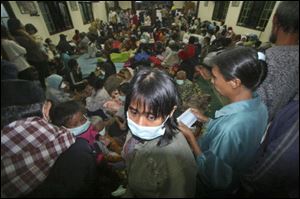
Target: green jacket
(168, 171)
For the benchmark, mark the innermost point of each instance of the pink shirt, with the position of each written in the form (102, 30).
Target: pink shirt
(89, 135)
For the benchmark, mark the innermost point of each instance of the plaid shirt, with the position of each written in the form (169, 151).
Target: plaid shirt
(29, 148)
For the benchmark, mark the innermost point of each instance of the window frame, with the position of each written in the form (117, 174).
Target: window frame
(217, 8)
(264, 15)
(86, 14)
(51, 18)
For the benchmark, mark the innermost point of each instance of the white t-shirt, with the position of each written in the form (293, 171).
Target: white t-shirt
(96, 101)
(16, 54)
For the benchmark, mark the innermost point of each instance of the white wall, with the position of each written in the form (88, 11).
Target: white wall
(205, 13)
(178, 4)
(125, 4)
(99, 11)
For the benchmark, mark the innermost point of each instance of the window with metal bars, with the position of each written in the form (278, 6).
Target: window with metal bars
(56, 16)
(86, 12)
(255, 14)
(220, 10)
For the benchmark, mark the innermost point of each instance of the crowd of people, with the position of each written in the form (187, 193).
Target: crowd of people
(115, 133)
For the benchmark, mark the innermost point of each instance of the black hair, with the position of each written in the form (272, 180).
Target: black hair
(4, 33)
(62, 37)
(159, 47)
(21, 92)
(222, 42)
(61, 113)
(242, 63)
(192, 40)
(193, 30)
(92, 79)
(30, 27)
(124, 88)
(287, 15)
(47, 40)
(99, 83)
(72, 63)
(82, 35)
(21, 99)
(16, 112)
(156, 90)
(97, 137)
(207, 39)
(13, 25)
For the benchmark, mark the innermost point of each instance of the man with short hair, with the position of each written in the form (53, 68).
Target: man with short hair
(281, 83)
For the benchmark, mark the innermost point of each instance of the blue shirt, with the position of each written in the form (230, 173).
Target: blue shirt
(230, 142)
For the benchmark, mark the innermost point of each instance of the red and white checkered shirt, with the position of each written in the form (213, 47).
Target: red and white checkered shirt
(29, 148)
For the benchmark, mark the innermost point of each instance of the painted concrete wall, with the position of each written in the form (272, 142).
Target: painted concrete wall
(125, 4)
(178, 4)
(99, 11)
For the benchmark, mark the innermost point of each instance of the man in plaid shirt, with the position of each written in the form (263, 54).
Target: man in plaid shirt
(30, 145)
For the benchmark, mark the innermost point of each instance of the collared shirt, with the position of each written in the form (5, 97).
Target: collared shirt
(230, 142)
(29, 148)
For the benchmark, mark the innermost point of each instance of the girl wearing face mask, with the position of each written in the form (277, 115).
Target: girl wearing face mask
(158, 158)
(228, 146)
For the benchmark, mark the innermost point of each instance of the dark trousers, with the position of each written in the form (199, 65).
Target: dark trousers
(188, 66)
(42, 68)
(29, 74)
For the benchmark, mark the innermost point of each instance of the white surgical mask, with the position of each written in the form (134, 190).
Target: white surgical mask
(179, 81)
(102, 74)
(63, 85)
(80, 129)
(146, 132)
(102, 132)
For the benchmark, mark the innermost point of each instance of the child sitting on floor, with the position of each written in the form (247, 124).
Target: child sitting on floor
(105, 143)
(70, 114)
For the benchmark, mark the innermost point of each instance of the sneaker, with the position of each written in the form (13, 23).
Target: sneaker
(119, 191)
